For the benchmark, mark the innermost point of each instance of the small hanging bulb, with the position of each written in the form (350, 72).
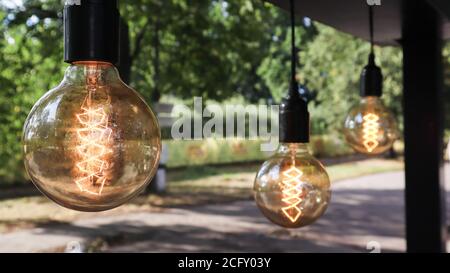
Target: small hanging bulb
(292, 188)
(370, 128)
(92, 143)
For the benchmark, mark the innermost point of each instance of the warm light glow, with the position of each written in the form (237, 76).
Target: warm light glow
(94, 137)
(105, 140)
(370, 131)
(292, 193)
(369, 127)
(292, 188)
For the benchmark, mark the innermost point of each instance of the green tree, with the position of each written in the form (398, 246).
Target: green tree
(275, 68)
(202, 48)
(216, 49)
(208, 48)
(28, 68)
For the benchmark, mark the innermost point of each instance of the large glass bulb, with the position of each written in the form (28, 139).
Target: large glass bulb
(370, 128)
(92, 143)
(292, 189)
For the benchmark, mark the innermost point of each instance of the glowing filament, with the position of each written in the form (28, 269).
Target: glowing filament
(94, 137)
(370, 132)
(292, 193)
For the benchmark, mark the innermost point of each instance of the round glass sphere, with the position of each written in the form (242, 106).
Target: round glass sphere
(370, 128)
(292, 188)
(92, 143)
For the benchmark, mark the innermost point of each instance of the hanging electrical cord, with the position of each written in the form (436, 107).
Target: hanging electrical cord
(294, 115)
(371, 29)
(294, 84)
(371, 77)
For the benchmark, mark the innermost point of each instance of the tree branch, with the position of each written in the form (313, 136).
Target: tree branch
(138, 41)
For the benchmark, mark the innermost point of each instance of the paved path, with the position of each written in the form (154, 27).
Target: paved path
(366, 210)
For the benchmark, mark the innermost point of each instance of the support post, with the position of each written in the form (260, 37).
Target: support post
(426, 228)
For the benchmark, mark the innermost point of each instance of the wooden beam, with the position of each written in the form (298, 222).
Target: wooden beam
(426, 229)
(350, 16)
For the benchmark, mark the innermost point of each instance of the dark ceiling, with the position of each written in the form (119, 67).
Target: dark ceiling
(351, 16)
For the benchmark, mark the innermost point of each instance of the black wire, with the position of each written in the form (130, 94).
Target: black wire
(293, 50)
(371, 28)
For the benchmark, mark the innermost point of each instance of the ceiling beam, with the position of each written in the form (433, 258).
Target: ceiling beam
(351, 16)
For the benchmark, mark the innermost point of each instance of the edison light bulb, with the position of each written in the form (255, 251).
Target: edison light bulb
(370, 127)
(292, 189)
(92, 143)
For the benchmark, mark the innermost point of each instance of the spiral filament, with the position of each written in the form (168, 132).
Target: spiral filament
(94, 137)
(370, 132)
(292, 193)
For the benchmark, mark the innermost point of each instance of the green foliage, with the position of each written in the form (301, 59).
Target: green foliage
(275, 67)
(213, 151)
(216, 49)
(329, 146)
(206, 48)
(30, 47)
(223, 151)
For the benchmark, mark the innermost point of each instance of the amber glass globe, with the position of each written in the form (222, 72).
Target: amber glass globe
(92, 143)
(370, 128)
(292, 189)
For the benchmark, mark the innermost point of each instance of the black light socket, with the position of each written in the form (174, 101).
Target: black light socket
(91, 31)
(371, 79)
(294, 118)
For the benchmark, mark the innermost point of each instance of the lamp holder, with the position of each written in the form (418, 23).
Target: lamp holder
(371, 79)
(371, 83)
(294, 115)
(91, 31)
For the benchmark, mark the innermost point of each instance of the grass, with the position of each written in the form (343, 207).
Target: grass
(194, 186)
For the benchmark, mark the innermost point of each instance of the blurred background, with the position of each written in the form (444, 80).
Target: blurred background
(227, 52)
